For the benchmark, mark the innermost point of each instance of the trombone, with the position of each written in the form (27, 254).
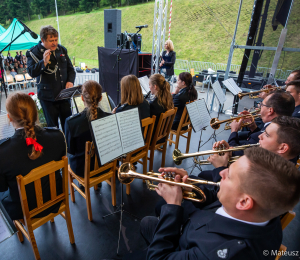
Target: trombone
(215, 122)
(267, 90)
(178, 156)
(126, 175)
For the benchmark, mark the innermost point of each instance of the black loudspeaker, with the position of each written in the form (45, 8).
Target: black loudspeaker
(112, 27)
(281, 13)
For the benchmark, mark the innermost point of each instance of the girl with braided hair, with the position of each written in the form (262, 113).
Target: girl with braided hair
(163, 100)
(77, 127)
(184, 92)
(30, 147)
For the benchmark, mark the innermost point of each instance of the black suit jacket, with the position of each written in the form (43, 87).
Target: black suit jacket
(49, 85)
(206, 235)
(169, 62)
(144, 109)
(77, 134)
(296, 112)
(180, 101)
(16, 162)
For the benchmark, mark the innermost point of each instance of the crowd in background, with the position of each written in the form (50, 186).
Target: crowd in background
(15, 65)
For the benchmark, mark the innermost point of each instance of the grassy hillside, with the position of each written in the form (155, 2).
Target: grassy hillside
(196, 32)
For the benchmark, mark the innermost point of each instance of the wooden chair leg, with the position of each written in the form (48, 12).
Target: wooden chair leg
(88, 203)
(69, 225)
(33, 243)
(151, 160)
(52, 220)
(71, 187)
(177, 141)
(188, 141)
(113, 190)
(19, 234)
(96, 187)
(171, 137)
(128, 189)
(163, 159)
(145, 165)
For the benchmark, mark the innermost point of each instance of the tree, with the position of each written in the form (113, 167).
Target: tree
(86, 5)
(74, 4)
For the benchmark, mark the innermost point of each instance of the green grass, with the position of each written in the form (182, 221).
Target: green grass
(196, 33)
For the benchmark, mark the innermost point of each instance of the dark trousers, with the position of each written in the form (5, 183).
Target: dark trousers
(54, 110)
(147, 228)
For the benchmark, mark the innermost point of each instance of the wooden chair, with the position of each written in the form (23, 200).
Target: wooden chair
(285, 220)
(184, 121)
(21, 80)
(89, 181)
(162, 131)
(29, 79)
(30, 223)
(142, 153)
(10, 81)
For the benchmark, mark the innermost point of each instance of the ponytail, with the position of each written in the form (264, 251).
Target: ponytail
(23, 112)
(187, 78)
(92, 93)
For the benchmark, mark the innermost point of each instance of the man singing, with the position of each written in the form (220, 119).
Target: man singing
(50, 64)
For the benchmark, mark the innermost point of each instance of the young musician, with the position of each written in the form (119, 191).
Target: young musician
(240, 222)
(132, 97)
(184, 92)
(293, 88)
(29, 148)
(77, 127)
(163, 101)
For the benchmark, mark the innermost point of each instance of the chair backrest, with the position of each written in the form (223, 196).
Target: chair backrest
(27, 76)
(19, 77)
(9, 79)
(35, 176)
(287, 218)
(185, 119)
(164, 125)
(89, 152)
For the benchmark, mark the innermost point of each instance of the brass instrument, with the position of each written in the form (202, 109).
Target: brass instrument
(178, 156)
(215, 122)
(227, 125)
(205, 162)
(126, 175)
(267, 90)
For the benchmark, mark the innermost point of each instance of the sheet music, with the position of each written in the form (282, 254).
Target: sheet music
(79, 103)
(194, 116)
(232, 86)
(219, 92)
(205, 117)
(104, 103)
(130, 130)
(5, 231)
(107, 138)
(6, 129)
(144, 81)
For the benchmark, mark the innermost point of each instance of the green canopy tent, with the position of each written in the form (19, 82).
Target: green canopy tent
(24, 42)
(2, 29)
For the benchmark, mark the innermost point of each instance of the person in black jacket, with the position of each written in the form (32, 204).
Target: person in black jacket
(50, 64)
(77, 127)
(163, 101)
(132, 97)
(184, 92)
(168, 60)
(293, 88)
(29, 148)
(241, 220)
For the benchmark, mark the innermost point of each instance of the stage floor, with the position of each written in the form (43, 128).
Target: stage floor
(99, 239)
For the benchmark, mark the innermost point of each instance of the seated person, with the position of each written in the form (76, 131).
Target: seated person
(13, 72)
(278, 103)
(9, 57)
(17, 57)
(77, 129)
(293, 88)
(132, 97)
(168, 60)
(184, 92)
(295, 75)
(11, 65)
(239, 222)
(21, 70)
(163, 100)
(16, 66)
(29, 148)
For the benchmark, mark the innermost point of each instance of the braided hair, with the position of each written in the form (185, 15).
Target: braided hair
(22, 111)
(92, 93)
(163, 91)
(187, 78)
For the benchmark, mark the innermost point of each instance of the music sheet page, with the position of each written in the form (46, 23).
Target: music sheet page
(234, 85)
(194, 116)
(130, 130)
(144, 81)
(219, 92)
(104, 103)
(202, 108)
(6, 129)
(107, 138)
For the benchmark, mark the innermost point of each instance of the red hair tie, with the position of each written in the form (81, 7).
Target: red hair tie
(37, 146)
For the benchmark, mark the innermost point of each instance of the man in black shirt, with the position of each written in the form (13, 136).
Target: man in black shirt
(293, 88)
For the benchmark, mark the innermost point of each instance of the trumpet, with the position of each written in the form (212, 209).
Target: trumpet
(126, 175)
(215, 122)
(178, 156)
(205, 162)
(251, 94)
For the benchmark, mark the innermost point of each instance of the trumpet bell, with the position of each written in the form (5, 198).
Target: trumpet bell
(176, 154)
(125, 168)
(213, 124)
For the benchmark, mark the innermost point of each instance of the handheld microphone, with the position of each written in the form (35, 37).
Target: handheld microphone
(33, 34)
(142, 26)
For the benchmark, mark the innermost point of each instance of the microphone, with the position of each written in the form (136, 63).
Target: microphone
(142, 26)
(33, 34)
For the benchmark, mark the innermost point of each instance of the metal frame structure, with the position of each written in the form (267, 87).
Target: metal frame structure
(159, 30)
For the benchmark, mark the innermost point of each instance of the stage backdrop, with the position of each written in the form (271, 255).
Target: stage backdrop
(108, 77)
